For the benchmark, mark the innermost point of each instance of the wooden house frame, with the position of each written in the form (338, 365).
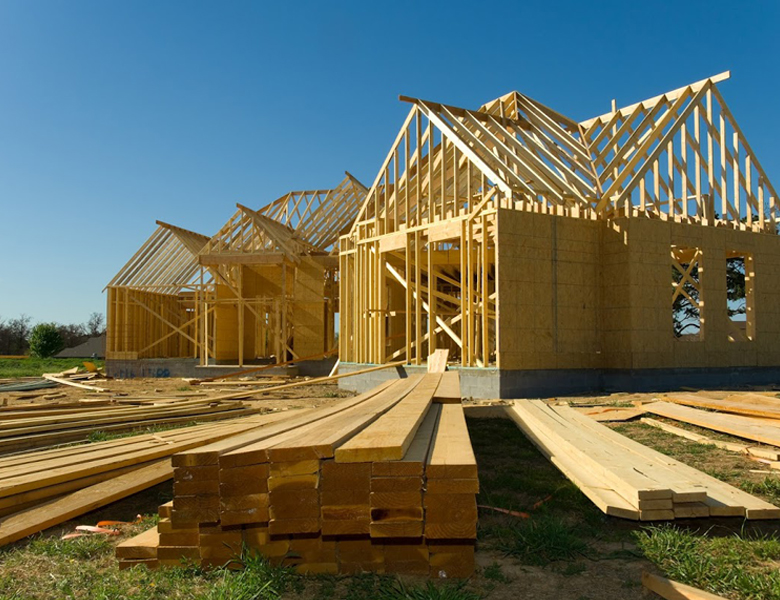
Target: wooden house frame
(276, 286)
(264, 287)
(154, 302)
(513, 235)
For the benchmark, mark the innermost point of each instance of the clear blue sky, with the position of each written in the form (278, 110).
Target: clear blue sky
(114, 114)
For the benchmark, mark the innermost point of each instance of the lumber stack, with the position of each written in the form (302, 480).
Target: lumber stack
(46, 487)
(382, 482)
(24, 429)
(627, 479)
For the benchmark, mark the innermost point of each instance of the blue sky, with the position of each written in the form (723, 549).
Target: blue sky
(114, 114)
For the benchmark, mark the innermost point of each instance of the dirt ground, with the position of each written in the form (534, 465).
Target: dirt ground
(163, 388)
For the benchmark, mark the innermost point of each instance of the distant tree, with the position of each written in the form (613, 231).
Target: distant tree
(735, 286)
(45, 340)
(73, 334)
(96, 324)
(16, 333)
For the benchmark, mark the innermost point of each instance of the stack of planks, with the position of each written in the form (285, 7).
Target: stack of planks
(624, 478)
(382, 482)
(47, 425)
(43, 488)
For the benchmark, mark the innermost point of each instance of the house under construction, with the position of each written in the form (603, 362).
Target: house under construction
(638, 248)
(634, 249)
(263, 289)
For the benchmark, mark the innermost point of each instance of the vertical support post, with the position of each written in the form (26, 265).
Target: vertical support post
(432, 300)
(240, 308)
(408, 304)
(418, 298)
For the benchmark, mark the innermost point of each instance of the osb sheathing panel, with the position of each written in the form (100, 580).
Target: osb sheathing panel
(548, 291)
(225, 325)
(593, 294)
(309, 309)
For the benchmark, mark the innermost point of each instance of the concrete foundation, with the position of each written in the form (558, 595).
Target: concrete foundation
(190, 367)
(492, 383)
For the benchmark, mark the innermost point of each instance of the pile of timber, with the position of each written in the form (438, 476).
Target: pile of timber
(38, 426)
(382, 482)
(627, 479)
(750, 416)
(43, 488)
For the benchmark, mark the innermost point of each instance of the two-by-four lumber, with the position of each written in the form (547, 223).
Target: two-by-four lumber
(448, 391)
(585, 449)
(293, 504)
(314, 381)
(294, 493)
(452, 483)
(748, 428)
(389, 437)
(396, 498)
(721, 498)
(437, 362)
(606, 499)
(60, 380)
(754, 451)
(210, 455)
(674, 590)
(749, 405)
(601, 458)
(58, 474)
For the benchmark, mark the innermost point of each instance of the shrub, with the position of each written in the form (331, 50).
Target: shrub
(45, 340)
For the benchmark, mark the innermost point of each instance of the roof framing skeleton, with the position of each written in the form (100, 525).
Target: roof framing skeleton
(680, 155)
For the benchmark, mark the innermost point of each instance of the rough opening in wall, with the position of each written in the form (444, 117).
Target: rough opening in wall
(687, 300)
(739, 296)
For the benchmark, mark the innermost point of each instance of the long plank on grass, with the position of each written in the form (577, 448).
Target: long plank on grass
(747, 428)
(389, 437)
(33, 520)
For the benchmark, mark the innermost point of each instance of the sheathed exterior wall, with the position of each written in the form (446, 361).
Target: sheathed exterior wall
(582, 294)
(548, 291)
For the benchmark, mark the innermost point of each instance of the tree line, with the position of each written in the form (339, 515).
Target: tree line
(15, 334)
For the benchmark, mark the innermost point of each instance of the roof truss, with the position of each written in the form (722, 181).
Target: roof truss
(166, 263)
(679, 155)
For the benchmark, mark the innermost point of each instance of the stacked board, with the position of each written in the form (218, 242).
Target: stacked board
(624, 478)
(383, 482)
(45, 487)
(48, 425)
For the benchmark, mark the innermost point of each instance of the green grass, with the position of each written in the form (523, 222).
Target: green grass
(769, 488)
(515, 476)
(740, 565)
(428, 591)
(34, 367)
(104, 436)
(541, 540)
(49, 568)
